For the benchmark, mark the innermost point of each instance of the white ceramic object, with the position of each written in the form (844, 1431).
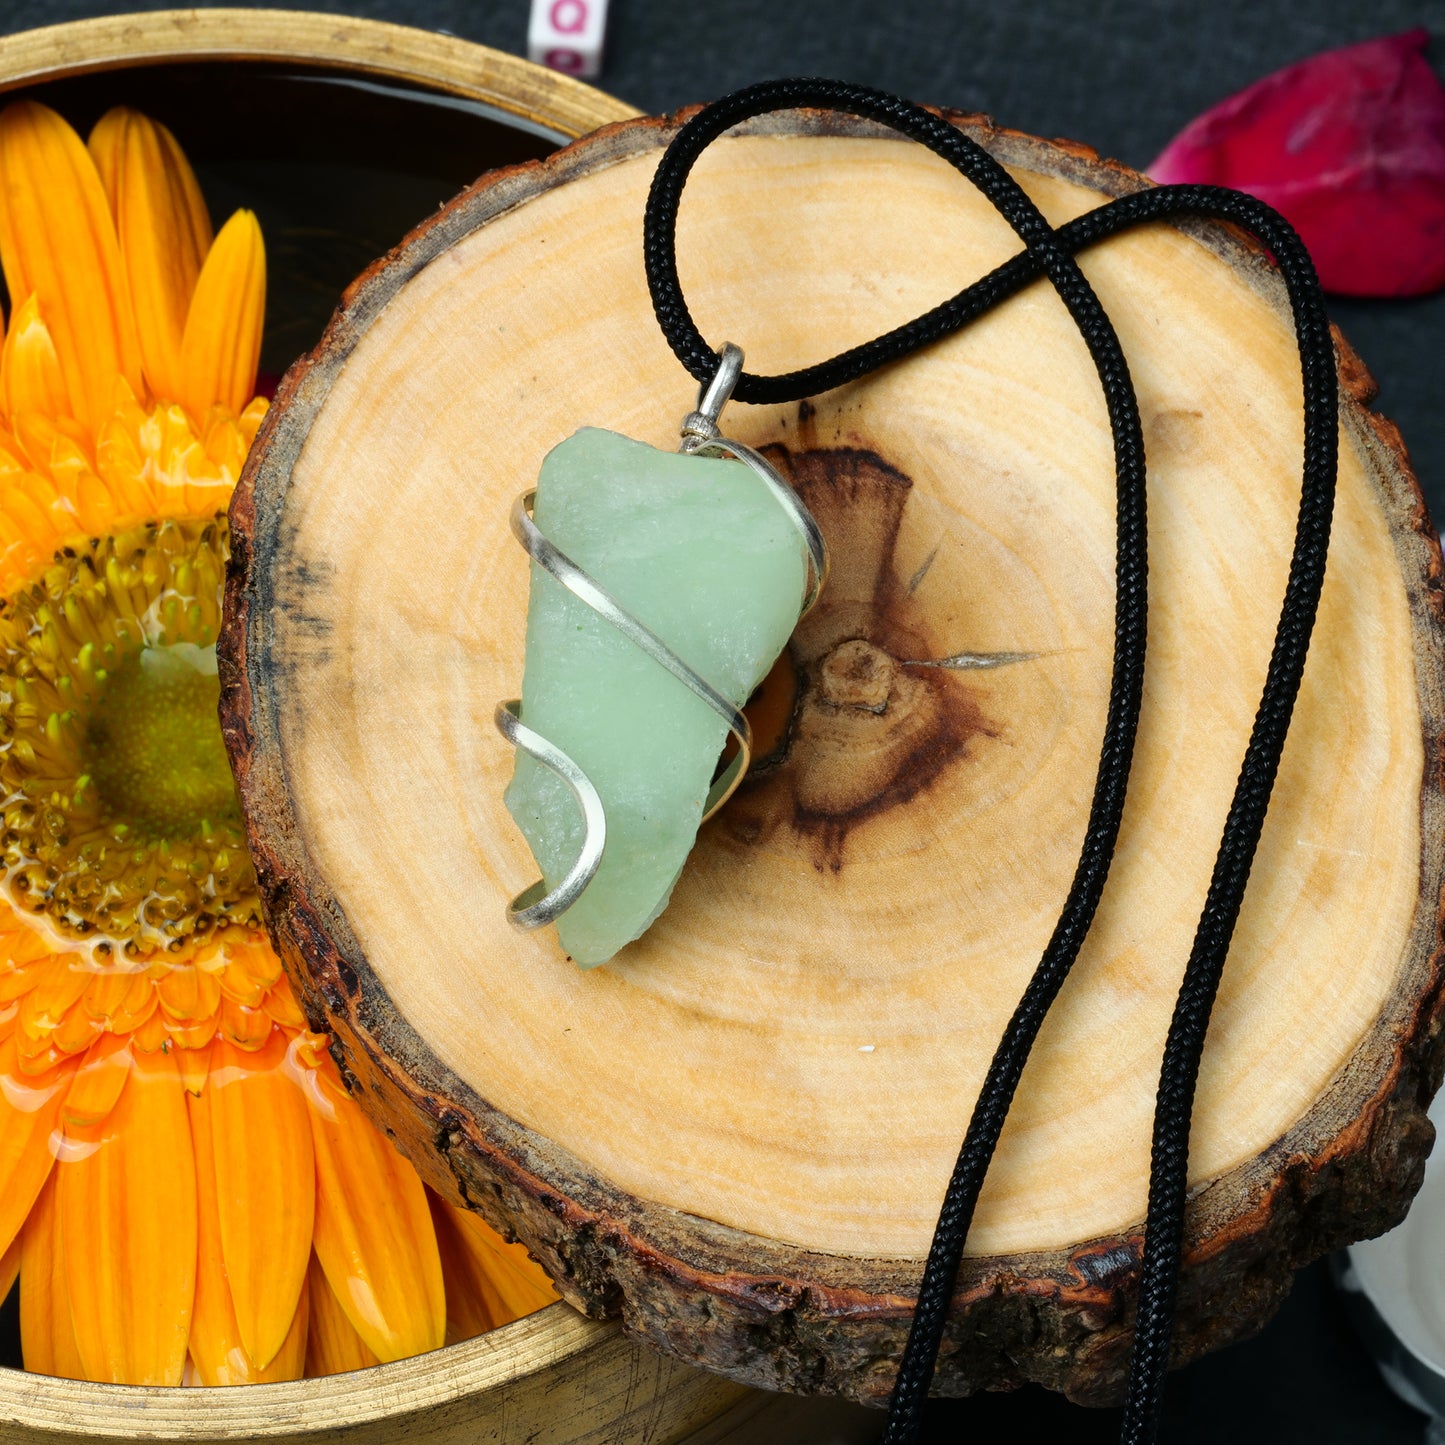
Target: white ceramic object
(568, 35)
(1395, 1286)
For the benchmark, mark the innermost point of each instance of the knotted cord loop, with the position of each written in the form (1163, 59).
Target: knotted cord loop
(1050, 252)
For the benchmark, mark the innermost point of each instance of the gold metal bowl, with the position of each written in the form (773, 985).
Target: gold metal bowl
(552, 1377)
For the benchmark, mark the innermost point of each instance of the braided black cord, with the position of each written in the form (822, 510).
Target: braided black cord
(1130, 609)
(1169, 1163)
(1050, 252)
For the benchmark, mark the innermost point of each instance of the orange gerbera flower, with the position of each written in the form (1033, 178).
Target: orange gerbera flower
(183, 1177)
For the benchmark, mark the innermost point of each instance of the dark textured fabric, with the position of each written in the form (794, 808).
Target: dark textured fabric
(1122, 77)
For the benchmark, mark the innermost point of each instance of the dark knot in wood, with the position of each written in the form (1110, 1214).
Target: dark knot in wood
(857, 674)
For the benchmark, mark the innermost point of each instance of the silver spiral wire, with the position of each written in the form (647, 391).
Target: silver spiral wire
(535, 907)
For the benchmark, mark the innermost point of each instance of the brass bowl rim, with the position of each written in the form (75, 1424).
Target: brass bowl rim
(444, 63)
(80, 1409)
(542, 98)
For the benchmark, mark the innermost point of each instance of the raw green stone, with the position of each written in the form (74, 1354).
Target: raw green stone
(703, 554)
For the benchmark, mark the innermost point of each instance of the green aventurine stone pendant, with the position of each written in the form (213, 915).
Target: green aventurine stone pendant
(647, 566)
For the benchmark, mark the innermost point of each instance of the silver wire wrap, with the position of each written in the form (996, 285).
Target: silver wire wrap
(535, 907)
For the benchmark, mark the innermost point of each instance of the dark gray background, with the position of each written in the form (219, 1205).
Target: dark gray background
(1123, 76)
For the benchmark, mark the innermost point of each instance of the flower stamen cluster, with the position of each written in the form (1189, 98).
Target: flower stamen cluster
(121, 821)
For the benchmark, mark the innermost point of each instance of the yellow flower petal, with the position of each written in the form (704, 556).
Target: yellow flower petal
(238, 1367)
(240, 985)
(260, 960)
(218, 1355)
(191, 1037)
(332, 1345)
(36, 1058)
(188, 994)
(214, 1337)
(265, 1187)
(374, 1234)
(472, 1304)
(56, 447)
(60, 984)
(98, 1081)
(17, 979)
(152, 1036)
(247, 1028)
(21, 944)
(281, 1005)
(164, 229)
(249, 422)
(195, 1067)
(30, 376)
(58, 243)
(77, 1031)
(9, 1268)
(128, 1218)
(123, 1001)
(105, 143)
(222, 341)
(47, 1334)
(489, 1282)
(29, 1109)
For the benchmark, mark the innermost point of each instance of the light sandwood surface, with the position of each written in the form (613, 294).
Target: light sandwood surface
(789, 1057)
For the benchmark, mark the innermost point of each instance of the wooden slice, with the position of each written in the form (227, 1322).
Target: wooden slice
(737, 1135)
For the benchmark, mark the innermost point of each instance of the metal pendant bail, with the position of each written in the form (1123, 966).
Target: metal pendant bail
(701, 426)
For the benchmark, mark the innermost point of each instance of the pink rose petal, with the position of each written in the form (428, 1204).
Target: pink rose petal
(1350, 147)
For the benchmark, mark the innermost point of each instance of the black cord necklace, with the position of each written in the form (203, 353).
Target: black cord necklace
(1050, 252)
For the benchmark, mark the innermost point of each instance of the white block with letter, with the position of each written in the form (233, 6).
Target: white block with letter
(567, 35)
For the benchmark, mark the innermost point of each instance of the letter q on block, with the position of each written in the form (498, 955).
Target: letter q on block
(567, 35)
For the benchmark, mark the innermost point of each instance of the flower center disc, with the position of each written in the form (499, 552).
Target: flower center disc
(121, 822)
(153, 745)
